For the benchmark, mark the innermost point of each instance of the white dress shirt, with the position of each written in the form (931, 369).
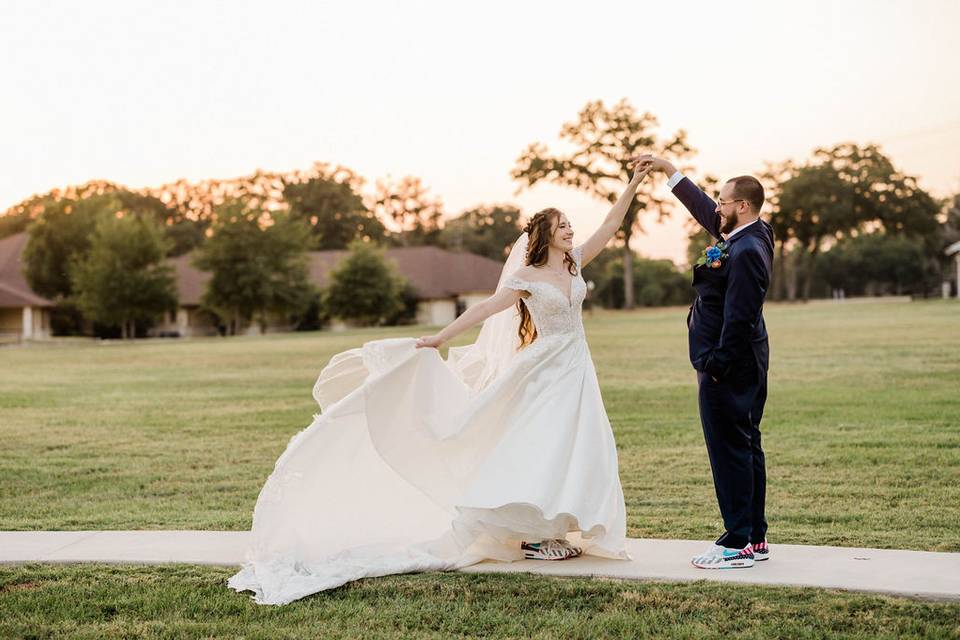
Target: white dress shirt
(740, 228)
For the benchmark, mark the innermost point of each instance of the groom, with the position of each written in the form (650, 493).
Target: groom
(729, 350)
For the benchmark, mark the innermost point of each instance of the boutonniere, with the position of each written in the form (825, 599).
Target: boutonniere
(713, 256)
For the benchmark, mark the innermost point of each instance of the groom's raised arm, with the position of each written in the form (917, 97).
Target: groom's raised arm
(699, 204)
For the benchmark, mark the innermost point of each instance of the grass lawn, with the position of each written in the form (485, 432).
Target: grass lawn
(191, 602)
(862, 435)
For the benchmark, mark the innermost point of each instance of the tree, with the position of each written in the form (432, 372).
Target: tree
(655, 283)
(840, 270)
(60, 235)
(364, 289)
(598, 272)
(603, 140)
(698, 238)
(409, 302)
(184, 232)
(321, 192)
(13, 223)
(485, 230)
(784, 272)
(330, 203)
(847, 191)
(893, 261)
(258, 265)
(200, 201)
(875, 263)
(416, 216)
(123, 279)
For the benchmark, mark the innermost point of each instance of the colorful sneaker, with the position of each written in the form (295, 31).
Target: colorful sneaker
(563, 542)
(546, 550)
(761, 551)
(717, 557)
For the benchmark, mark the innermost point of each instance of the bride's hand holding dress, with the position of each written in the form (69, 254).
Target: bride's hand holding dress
(500, 301)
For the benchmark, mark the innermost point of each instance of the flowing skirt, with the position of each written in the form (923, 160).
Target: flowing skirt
(409, 469)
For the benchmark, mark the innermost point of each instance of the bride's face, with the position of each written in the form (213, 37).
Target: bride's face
(562, 237)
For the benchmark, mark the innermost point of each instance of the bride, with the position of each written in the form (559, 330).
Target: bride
(502, 451)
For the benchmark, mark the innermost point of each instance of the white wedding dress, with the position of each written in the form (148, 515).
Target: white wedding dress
(417, 463)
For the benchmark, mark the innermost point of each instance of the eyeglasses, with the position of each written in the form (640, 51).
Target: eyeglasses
(723, 202)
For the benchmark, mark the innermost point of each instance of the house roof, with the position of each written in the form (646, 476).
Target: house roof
(191, 282)
(433, 272)
(14, 290)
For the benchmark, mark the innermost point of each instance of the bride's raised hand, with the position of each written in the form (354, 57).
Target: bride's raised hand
(429, 341)
(641, 167)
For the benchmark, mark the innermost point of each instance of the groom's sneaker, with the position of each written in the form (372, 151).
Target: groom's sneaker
(761, 551)
(717, 557)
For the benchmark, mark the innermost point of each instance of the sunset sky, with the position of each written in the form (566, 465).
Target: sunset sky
(143, 93)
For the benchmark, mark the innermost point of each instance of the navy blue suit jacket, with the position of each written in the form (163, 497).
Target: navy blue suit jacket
(727, 334)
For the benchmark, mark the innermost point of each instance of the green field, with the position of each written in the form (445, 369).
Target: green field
(862, 435)
(191, 602)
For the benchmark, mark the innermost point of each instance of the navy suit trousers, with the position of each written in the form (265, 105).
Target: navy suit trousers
(730, 413)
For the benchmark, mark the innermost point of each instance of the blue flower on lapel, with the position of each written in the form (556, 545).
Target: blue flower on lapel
(714, 256)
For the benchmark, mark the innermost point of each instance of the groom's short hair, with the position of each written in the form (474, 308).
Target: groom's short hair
(748, 188)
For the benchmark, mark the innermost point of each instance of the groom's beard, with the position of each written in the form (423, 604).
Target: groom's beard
(729, 223)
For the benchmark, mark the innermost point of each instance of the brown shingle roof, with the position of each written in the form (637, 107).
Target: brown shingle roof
(433, 272)
(14, 290)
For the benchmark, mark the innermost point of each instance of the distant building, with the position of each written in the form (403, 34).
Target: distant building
(23, 314)
(954, 250)
(189, 319)
(446, 282)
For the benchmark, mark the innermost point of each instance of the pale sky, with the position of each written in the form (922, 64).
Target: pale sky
(143, 93)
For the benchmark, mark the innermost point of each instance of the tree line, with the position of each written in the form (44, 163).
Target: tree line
(846, 219)
(101, 251)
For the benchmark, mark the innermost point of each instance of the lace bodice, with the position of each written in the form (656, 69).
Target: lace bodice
(552, 312)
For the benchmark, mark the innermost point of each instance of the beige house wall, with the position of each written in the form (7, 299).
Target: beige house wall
(11, 321)
(26, 323)
(438, 312)
(472, 298)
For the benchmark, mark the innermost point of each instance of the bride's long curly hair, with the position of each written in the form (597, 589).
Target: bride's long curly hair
(540, 230)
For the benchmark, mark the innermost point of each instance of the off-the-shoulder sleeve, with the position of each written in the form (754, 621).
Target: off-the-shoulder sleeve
(513, 282)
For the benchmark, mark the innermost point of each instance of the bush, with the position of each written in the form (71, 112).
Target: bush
(257, 269)
(874, 264)
(123, 280)
(656, 283)
(364, 290)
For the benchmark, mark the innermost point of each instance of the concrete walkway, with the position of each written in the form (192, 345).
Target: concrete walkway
(922, 574)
